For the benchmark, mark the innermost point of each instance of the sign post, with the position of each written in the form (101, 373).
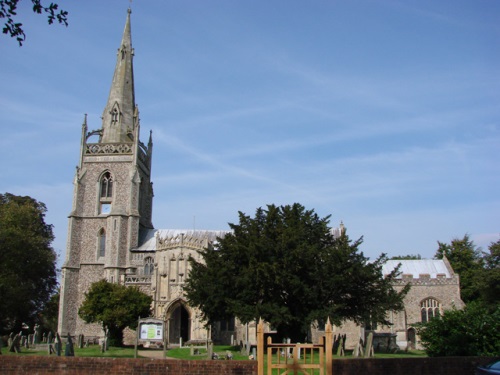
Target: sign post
(152, 330)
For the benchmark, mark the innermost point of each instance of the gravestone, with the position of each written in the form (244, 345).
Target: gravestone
(58, 344)
(80, 341)
(15, 346)
(69, 351)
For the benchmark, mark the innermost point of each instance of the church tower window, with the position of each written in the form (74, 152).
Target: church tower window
(105, 193)
(429, 309)
(106, 186)
(102, 243)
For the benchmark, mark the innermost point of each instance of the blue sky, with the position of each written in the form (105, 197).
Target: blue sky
(384, 114)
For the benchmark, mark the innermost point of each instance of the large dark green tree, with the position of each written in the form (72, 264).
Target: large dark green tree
(466, 260)
(8, 13)
(116, 307)
(28, 275)
(285, 266)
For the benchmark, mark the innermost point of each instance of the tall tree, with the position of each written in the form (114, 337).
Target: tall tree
(466, 260)
(489, 278)
(285, 266)
(28, 275)
(116, 307)
(8, 11)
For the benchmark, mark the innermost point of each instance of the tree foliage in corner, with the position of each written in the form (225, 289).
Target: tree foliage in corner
(479, 272)
(116, 307)
(8, 11)
(473, 331)
(285, 266)
(28, 275)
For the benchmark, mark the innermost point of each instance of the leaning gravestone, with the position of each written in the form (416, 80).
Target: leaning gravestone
(15, 347)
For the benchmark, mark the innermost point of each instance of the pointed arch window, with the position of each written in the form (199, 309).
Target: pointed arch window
(429, 309)
(102, 243)
(106, 186)
(148, 266)
(105, 193)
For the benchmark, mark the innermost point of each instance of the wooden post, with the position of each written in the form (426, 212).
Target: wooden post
(260, 347)
(328, 346)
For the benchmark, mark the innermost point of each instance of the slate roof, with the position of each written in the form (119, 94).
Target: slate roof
(431, 267)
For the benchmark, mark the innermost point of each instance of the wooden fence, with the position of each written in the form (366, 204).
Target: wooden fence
(295, 358)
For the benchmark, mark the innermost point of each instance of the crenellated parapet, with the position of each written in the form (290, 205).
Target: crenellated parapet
(425, 279)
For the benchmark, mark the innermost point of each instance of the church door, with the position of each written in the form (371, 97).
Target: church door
(179, 325)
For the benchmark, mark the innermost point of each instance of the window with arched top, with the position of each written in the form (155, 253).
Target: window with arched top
(106, 186)
(105, 193)
(148, 266)
(429, 309)
(102, 243)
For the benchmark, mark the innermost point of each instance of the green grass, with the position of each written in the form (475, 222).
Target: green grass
(184, 353)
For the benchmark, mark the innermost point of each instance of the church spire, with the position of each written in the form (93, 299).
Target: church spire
(118, 120)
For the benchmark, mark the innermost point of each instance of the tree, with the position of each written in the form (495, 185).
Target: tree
(116, 307)
(407, 257)
(467, 261)
(285, 266)
(488, 280)
(473, 331)
(8, 10)
(28, 275)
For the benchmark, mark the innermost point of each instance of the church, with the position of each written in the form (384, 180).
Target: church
(111, 236)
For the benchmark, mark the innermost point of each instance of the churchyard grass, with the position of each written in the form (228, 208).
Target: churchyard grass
(184, 353)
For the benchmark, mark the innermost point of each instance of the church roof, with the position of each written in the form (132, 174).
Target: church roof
(415, 267)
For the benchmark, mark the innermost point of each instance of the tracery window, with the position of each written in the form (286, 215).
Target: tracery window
(148, 266)
(429, 309)
(106, 185)
(102, 243)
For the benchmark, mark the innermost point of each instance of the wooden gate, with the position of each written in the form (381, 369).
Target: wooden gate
(284, 359)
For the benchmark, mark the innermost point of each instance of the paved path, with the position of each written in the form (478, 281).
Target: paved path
(157, 354)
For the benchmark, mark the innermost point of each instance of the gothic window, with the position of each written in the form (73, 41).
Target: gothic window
(106, 185)
(148, 266)
(105, 193)
(429, 308)
(102, 243)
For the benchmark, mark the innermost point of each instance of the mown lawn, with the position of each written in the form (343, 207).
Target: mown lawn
(184, 353)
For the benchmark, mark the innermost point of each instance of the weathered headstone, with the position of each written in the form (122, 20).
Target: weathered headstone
(69, 351)
(80, 341)
(37, 334)
(50, 337)
(15, 346)
(58, 344)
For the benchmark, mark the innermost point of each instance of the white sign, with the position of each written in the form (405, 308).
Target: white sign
(151, 331)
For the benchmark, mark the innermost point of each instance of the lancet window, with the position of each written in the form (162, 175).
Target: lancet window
(102, 243)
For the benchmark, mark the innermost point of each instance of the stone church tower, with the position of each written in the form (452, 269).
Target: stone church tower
(112, 199)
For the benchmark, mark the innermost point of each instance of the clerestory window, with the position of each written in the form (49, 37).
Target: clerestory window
(429, 309)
